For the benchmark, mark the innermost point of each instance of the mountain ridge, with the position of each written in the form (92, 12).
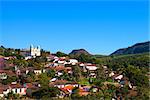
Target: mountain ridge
(78, 52)
(137, 48)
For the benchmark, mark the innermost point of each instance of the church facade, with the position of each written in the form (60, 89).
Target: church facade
(35, 51)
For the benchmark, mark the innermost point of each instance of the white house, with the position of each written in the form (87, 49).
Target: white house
(28, 57)
(56, 59)
(119, 77)
(59, 73)
(18, 89)
(92, 75)
(61, 61)
(3, 76)
(111, 74)
(53, 79)
(37, 71)
(4, 90)
(14, 87)
(81, 64)
(105, 67)
(91, 67)
(73, 61)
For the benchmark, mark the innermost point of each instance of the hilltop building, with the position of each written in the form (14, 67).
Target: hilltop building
(35, 51)
(31, 53)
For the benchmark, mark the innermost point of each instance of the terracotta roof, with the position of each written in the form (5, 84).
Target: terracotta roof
(90, 65)
(1, 56)
(4, 87)
(116, 75)
(2, 71)
(84, 93)
(31, 86)
(16, 85)
(68, 87)
(8, 72)
(58, 82)
(1, 91)
(58, 68)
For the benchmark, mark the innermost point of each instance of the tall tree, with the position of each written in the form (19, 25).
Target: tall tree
(76, 72)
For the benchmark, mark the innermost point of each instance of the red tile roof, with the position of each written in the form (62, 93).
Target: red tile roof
(8, 72)
(16, 85)
(58, 82)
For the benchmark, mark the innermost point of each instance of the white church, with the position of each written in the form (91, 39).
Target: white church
(35, 51)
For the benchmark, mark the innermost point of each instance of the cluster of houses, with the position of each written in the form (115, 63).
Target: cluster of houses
(58, 64)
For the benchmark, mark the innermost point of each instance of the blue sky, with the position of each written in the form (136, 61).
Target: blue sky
(99, 26)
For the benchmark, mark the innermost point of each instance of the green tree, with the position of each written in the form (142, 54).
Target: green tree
(44, 82)
(60, 54)
(136, 76)
(9, 80)
(100, 73)
(76, 72)
(51, 73)
(46, 93)
(12, 96)
(75, 94)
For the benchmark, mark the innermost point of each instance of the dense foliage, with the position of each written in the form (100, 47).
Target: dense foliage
(46, 93)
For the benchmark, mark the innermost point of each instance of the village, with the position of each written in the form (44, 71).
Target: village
(63, 73)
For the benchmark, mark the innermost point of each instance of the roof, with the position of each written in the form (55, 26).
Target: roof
(30, 86)
(16, 85)
(8, 72)
(4, 87)
(1, 91)
(119, 77)
(65, 91)
(2, 71)
(58, 82)
(69, 87)
(68, 68)
(91, 65)
(58, 68)
(1, 56)
(82, 92)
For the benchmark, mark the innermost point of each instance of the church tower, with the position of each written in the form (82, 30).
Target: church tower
(35, 51)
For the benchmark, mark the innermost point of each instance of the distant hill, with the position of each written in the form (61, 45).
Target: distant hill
(135, 49)
(78, 52)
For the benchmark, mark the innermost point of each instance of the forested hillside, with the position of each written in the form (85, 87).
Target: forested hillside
(135, 49)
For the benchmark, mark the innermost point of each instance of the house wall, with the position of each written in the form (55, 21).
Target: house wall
(35, 51)
(6, 92)
(37, 72)
(1, 95)
(3, 76)
(21, 91)
(91, 68)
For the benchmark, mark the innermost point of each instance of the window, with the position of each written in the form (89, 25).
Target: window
(15, 90)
